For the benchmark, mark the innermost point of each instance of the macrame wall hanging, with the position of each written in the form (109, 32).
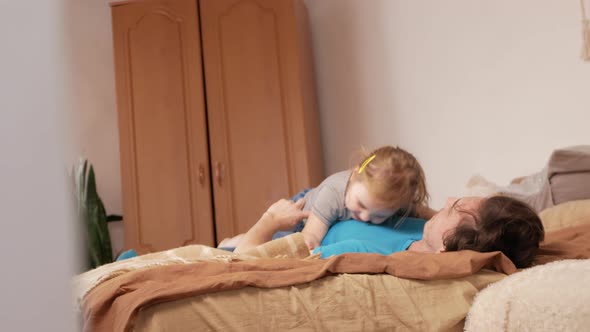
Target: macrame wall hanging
(585, 33)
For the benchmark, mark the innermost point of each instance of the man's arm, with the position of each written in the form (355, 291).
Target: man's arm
(282, 215)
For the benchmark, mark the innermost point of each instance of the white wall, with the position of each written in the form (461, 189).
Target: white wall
(94, 109)
(37, 239)
(489, 87)
(468, 86)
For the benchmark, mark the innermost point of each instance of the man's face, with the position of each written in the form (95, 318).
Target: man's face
(454, 213)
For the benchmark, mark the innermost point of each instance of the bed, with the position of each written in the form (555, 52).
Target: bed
(197, 288)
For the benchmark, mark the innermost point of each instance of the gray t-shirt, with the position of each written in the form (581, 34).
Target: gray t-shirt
(326, 201)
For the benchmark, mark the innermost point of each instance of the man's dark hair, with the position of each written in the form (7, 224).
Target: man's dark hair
(503, 224)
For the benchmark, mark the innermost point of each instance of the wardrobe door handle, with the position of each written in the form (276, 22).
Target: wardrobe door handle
(201, 174)
(218, 173)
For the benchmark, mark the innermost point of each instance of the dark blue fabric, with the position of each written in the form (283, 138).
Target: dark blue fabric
(127, 254)
(227, 248)
(300, 194)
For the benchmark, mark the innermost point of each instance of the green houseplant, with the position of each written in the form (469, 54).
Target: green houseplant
(92, 215)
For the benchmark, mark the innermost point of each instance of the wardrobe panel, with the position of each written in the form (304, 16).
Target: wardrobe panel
(258, 124)
(247, 111)
(164, 154)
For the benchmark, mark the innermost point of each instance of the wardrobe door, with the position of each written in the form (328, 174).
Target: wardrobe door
(162, 122)
(256, 114)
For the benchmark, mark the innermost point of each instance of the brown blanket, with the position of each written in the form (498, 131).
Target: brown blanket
(568, 243)
(114, 304)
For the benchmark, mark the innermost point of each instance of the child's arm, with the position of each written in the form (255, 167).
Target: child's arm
(282, 215)
(314, 231)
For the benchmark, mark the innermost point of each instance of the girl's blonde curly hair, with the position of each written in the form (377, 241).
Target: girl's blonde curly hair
(393, 176)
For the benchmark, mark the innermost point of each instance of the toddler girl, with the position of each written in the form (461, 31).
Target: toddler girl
(388, 180)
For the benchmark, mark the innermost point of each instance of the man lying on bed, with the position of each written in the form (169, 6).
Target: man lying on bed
(496, 223)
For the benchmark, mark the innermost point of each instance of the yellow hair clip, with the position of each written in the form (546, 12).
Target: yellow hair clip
(366, 162)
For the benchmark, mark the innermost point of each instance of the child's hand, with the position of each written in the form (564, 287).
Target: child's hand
(286, 213)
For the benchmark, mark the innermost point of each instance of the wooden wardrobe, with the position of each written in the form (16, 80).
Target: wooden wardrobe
(217, 115)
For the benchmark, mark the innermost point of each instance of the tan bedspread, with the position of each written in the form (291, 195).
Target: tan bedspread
(114, 304)
(344, 302)
(568, 243)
